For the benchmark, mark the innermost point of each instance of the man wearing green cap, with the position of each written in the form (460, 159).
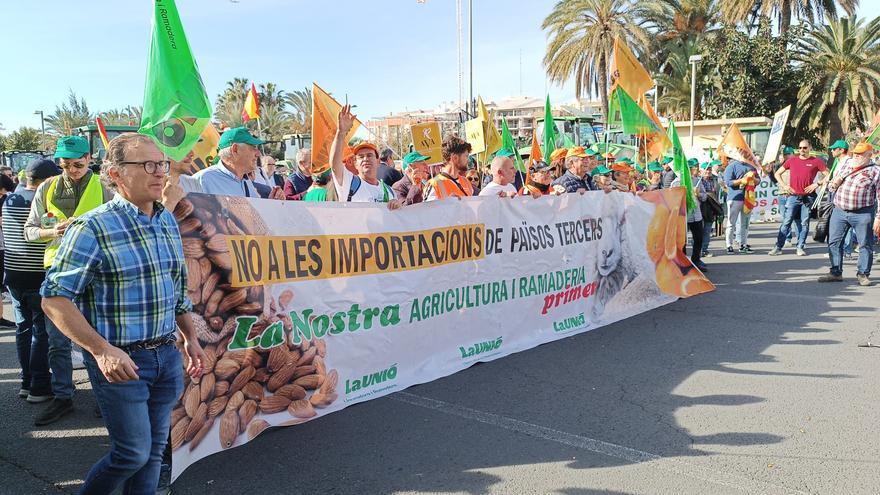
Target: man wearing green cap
(601, 176)
(238, 155)
(57, 201)
(668, 175)
(503, 174)
(415, 173)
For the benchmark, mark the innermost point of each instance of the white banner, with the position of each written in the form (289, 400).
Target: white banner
(306, 308)
(776, 132)
(768, 208)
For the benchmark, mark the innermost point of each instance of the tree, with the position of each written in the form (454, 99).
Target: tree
(300, 108)
(130, 115)
(230, 103)
(812, 11)
(681, 21)
(581, 37)
(25, 138)
(75, 113)
(752, 74)
(675, 83)
(842, 90)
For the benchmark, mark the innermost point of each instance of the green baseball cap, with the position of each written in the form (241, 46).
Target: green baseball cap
(714, 162)
(693, 162)
(705, 165)
(665, 160)
(71, 147)
(412, 157)
(600, 170)
(237, 135)
(591, 152)
(639, 167)
(788, 150)
(655, 167)
(840, 144)
(505, 152)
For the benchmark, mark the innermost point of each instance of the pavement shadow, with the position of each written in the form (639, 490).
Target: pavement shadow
(620, 384)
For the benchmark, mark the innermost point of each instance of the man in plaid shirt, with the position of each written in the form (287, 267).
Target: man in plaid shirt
(856, 195)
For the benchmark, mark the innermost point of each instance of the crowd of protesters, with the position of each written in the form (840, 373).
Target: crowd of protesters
(95, 259)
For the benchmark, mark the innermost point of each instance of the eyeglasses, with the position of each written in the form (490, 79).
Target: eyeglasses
(150, 166)
(75, 165)
(804, 148)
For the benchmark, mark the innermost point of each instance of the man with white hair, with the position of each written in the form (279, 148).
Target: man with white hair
(300, 181)
(238, 158)
(503, 174)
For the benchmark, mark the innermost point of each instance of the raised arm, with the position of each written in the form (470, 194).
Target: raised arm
(343, 125)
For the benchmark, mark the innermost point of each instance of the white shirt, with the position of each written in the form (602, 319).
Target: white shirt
(493, 188)
(190, 184)
(366, 193)
(217, 179)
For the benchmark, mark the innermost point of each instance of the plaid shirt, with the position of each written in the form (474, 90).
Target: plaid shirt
(124, 270)
(860, 189)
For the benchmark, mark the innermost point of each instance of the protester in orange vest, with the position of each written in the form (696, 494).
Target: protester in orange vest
(538, 183)
(450, 182)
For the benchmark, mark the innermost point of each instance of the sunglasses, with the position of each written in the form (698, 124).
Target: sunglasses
(75, 165)
(804, 148)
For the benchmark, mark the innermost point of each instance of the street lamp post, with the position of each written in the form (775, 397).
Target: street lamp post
(694, 60)
(42, 124)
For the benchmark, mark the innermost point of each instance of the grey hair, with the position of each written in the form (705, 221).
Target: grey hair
(225, 154)
(569, 160)
(117, 152)
(301, 154)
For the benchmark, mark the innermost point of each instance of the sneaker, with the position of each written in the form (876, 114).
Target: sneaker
(848, 257)
(4, 323)
(746, 249)
(729, 250)
(776, 251)
(830, 277)
(164, 487)
(863, 280)
(39, 397)
(790, 242)
(57, 409)
(801, 252)
(23, 393)
(706, 254)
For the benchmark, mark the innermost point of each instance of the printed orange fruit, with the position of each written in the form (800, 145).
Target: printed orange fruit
(656, 237)
(669, 277)
(695, 283)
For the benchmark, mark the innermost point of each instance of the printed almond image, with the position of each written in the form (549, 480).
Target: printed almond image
(263, 373)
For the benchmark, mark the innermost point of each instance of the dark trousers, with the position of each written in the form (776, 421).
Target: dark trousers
(696, 229)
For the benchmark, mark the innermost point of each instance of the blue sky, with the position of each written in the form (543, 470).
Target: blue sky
(387, 55)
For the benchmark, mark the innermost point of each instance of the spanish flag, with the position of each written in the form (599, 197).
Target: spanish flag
(251, 108)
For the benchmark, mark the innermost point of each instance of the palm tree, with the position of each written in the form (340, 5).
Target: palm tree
(581, 38)
(75, 113)
(130, 115)
(843, 58)
(231, 101)
(680, 21)
(300, 108)
(813, 11)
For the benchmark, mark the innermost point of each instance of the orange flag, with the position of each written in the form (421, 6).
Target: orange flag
(325, 113)
(657, 144)
(102, 132)
(628, 73)
(534, 155)
(734, 146)
(251, 108)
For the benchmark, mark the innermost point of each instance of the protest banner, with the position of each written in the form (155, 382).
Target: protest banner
(304, 309)
(767, 208)
(774, 142)
(427, 140)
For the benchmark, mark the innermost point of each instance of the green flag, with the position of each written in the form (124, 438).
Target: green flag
(624, 111)
(566, 141)
(874, 137)
(680, 166)
(176, 107)
(549, 130)
(508, 143)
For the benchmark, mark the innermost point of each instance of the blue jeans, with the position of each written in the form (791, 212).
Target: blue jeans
(848, 240)
(60, 362)
(795, 206)
(708, 230)
(138, 417)
(860, 221)
(31, 340)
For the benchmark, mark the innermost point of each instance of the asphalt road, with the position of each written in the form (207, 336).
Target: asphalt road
(758, 387)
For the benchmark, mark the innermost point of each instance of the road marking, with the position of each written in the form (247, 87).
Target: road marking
(73, 432)
(628, 454)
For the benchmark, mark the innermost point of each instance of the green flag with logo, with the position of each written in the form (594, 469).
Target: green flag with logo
(508, 143)
(549, 130)
(176, 107)
(680, 166)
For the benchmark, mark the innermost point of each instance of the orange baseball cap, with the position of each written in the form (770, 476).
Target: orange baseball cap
(862, 148)
(577, 151)
(622, 167)
(558, 154)
(364, 145)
